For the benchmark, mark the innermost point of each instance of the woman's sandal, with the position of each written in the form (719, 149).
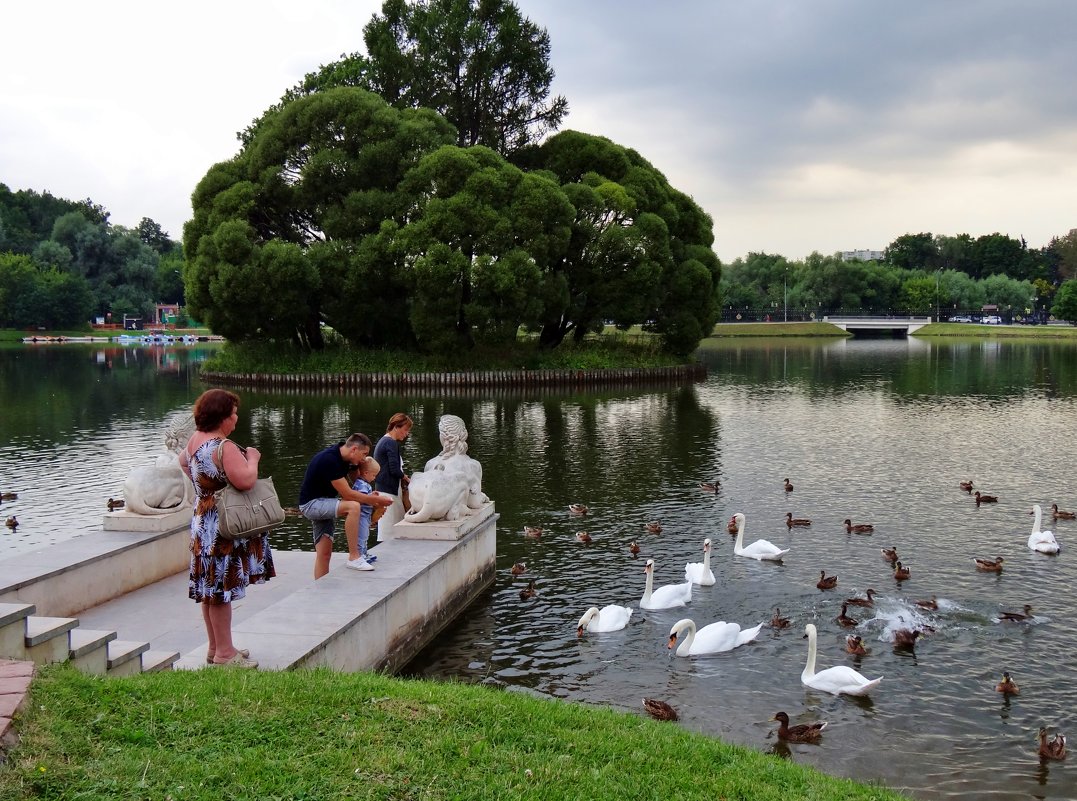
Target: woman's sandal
(238, 661)
(241, 651)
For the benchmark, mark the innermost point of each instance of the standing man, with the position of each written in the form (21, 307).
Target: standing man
(325, 479)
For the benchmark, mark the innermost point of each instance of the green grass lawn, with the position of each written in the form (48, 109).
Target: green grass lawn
(231, 734)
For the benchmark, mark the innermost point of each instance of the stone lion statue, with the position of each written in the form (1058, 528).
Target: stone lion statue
(161, 487)
(451, 485)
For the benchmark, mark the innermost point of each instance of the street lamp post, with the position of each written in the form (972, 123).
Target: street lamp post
(785, 295)
(937, 274)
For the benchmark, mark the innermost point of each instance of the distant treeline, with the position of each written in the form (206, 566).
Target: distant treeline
(62, 263)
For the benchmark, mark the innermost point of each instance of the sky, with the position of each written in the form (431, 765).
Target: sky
(798, 125)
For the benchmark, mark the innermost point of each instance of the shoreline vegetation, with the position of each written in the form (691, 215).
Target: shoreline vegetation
(222, 733)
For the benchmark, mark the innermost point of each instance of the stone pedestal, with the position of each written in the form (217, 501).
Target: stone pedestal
(122, 520)
(444, 529)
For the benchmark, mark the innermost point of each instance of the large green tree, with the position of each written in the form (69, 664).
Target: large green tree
(1065, 305)
(480, 63)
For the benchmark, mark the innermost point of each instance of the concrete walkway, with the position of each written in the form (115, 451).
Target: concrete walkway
(14, 683)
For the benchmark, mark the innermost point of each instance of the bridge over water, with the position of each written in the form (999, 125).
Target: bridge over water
(878, 324)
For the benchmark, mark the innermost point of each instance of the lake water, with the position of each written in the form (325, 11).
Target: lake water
(879, 431)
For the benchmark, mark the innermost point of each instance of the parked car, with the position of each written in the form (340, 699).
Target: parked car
(961, 318)
(992, 319)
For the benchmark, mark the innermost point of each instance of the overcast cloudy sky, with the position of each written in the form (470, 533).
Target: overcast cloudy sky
(798, 125)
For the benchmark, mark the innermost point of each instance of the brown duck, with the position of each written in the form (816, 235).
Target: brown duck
(1007, 686)
(901, 573)
(659, 710)
(826, 582)
(989, 565)
(528, 591)
(791, 521)
(889, 554)
(779, 622)
(1054, 748)
(854, 645)
(1017, 617)
(1058, 514)
(858, 528)
(844, 620)
(868, 602)
(985, 498)
(800, 733)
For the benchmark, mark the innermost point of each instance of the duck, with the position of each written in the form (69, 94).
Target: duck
(714, 638)
(1017, 617)
(1007, 686)
(583, 536)
(666, 596)
(801, 733)
(791, 521)
(12, 523)
(985, 498)
(928, 604)
(1053, 749)
(578, 508)
(844, 620)
(855, 645)
(906, 638)
(1056, 513)
(700, 572)
(858, 528)
(989, 565)
(966, 485)
(889, 554)
(114, 504)
(633, 547)
(836, 680)
(731, 526)
(609, 618)
(528, 591)
(9, 496)
(534, 532)
(710, 486)
(779, 622)
(760, 549)
(1042, 541)
(788, 486)
(868, 602)
(518, 569)
(659, 710)
(654, 527)
(901, 573)
(826, 582)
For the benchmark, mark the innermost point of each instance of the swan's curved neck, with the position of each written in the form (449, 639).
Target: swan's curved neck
(650, 586)
(706, 560)
(1037, 520)
(809, 669)
(739, 544)
(689, 638)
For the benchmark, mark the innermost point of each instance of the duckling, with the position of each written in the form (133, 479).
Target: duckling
(967, 486)
(890, 554)
(779, 622)
(868, 602)
(654, 527)
(844, 620)
(826, 582)
(1007, 686)
(931, 604)
(1055, 749)
(855, 645)
(710, 486)
(578, 508)
(534, 532)
(12, 523)
(989, 565)
(801, 733)
(859, 528)
(528, 591)
(906, 638)
(791, 521)
(1057, 513)
(659, 710)
(634, 548)
(114, 504)
(9, 496)
(1017, 617)
(985, 498)
(583, 536)
(788, 486)
(518, 569)
(901, 573)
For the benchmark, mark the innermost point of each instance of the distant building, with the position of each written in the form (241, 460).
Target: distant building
(861, 255)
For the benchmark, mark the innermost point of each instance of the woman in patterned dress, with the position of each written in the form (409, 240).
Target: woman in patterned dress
(221, 569)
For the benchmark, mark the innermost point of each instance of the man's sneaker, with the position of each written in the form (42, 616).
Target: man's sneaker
(359, 564)
(371, 558)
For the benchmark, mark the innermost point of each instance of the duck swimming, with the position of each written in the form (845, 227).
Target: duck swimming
(528, 591)
(855, 645)
(989, 565)
(1017, 617)
(932, 604)
(826, 582)
(1056, 513)
(633, 548)
(906, 638)
(1055, 749)
(858, 528)
(12, 522)
(791, 521)
(901, 573)
(583, 536)
(710, 486)
(890, 554)
(578, 508)
(836, 680)
(518, 569)
(1007, 686)
(534, 532)
(654, 527)
(985, 498)
(779, 622)
(966, 485)
(9, 496)
(868, 602)
(788, 486)
(801, 733)
(844, 620)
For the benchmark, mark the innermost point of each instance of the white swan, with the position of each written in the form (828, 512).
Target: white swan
(1042, 541)
(836, 680)
(760, 549)
(608, 618)
(711, 639)
(700, 572)
(665, 597)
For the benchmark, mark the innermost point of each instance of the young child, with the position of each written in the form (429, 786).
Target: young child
(363, 481)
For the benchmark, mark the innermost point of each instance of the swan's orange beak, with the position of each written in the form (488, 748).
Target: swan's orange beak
(672, 641)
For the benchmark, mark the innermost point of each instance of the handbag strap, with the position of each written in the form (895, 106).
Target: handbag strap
(220, 457)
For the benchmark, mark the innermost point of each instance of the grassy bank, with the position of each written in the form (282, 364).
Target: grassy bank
(777, 330)
(225, 734)
(998, 331)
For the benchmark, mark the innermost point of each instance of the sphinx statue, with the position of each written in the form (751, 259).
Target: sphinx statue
(161, 487)
(450, 486)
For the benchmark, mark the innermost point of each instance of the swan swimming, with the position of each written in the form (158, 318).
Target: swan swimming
(700, 572)
(608, 618)
(665, 597)
(1042, 541)
(836, 680)
(712, 638)
(760, 549)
